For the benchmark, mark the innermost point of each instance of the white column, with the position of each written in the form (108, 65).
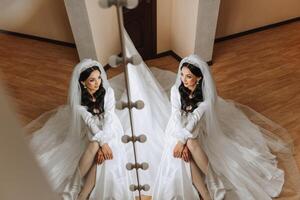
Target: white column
(208, 11)
(81, 28)
(95, 29)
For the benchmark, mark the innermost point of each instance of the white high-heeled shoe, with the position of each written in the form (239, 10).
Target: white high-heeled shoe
(73, 187)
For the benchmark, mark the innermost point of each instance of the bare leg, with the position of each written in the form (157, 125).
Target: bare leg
(89, 183)
(73, 187)
(198, 154)
(198, 181)
(87, 159)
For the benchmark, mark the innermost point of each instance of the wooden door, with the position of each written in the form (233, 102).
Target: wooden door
(140, 24)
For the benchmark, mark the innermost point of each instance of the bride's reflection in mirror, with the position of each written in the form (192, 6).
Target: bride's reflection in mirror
(84, 157)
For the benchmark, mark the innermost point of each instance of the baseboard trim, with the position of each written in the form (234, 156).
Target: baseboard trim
(236, 35)
(174, 55)
(168, 53)
(107, 67)
(22, 35)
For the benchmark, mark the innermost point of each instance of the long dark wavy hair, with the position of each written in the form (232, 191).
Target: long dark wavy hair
(86, 97)
(190, 104)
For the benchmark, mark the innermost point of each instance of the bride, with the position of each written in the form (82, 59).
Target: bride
(226, 147)
(80, 145)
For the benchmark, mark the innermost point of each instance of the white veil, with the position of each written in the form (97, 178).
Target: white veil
(151, 120)
(74, 97)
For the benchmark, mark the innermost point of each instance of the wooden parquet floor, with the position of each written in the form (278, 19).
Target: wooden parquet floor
(261, 70)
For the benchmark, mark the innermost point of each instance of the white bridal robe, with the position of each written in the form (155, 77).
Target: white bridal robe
(59, 153)
(241, 166)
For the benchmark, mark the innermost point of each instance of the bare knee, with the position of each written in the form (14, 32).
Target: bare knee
(93, 147)
(193, 144)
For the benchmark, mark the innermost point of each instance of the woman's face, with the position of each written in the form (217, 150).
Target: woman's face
(93, 82)
(188, 79)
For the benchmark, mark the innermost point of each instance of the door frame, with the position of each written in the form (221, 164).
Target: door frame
(154, 28)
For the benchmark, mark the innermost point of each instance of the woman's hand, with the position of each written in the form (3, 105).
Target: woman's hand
(108, 154)
(99, 157)
(186, 154)
(177, 152)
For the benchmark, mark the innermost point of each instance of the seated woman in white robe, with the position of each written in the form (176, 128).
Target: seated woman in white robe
(230, 155)
(80, 146)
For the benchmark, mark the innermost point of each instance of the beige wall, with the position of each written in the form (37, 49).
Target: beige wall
(43, 18)
(183, 26)
(95, 31)
(238, 16)
(105, 31)
(163, 25)
(187, 27)
(235, 16)
(48, 19)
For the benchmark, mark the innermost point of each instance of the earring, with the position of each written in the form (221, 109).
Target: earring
(83, 84)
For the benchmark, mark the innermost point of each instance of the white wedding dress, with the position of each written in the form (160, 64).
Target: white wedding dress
(150, 121)
(62, 135)
(252, 134)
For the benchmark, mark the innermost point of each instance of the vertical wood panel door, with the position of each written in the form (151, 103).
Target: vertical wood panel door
(140, 24)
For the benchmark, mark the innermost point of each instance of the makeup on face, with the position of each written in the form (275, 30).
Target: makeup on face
(93, 82)
(188, 79)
